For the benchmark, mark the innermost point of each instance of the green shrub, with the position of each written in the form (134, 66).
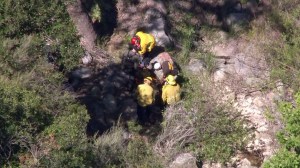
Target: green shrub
(23, 118)
(185, 33)
(289, 137)
(23, 17)
(45, 20)
(140, 155)
(32, 97)
(109, 148)
(283, 159)
(69, 132)
(284, 59)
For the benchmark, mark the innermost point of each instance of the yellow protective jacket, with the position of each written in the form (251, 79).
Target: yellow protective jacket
(147, 42)
(170, 93)
(145, 95)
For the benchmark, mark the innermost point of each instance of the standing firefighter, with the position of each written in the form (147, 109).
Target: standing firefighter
(170, 91)
(145, 97)
(142, 44)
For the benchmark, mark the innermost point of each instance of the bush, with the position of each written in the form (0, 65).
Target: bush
(109, 148)
(283, 159)
(72, 149)
(289, 137)
(23, 117)
(46, 21)
(140, 154)
(33, 99)
(284, 58)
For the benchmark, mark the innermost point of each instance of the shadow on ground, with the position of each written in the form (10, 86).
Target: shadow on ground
(218, 14)
(107, 21)
(109, 95)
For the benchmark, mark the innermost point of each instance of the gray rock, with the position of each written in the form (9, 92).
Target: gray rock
(184, 160)
(245, 163)
(195, 66)
(96, 108)
(156, 25)
(219, 75)
(128, 109)
(110, 103)
(87, 58)
(95, 91)
(237, 18)
(81, 73)
(108, 88)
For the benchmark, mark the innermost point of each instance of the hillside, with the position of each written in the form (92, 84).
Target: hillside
(68, 84)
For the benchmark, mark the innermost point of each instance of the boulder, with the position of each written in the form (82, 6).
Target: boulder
(128, 109)
(155, 24)
(195, 66)
(245, 163)
(81, 73)
(184, 160)
(237, 20)
(110, 103)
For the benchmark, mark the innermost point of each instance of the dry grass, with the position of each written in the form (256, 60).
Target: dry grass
(178, 132)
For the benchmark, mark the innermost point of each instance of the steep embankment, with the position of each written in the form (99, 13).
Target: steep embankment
(240, 75)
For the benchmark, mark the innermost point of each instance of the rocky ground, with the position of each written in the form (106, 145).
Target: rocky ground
(240, 75)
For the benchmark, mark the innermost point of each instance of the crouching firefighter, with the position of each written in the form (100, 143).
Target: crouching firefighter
(142, 44)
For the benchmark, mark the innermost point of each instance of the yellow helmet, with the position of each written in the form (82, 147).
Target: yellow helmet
(171, 80)
(148, 78)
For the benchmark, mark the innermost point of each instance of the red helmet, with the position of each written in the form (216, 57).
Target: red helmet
(135, 40)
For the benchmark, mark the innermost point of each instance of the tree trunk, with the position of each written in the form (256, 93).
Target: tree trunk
(85, 29)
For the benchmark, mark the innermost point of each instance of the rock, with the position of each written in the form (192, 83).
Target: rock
(258, 101)
(95, 91)
(195, 66)
(245, 163)
(128, 109)
(229, 95)
(263, 127)
(97, 110)
(81, 73)
(87, 58)
(251, 81)
(237, 18)
(156, 25)
(108, 88)
(184, 160)
(110, 103)
(212, 165)
(280, 87)
(219, 75)
(252, 5)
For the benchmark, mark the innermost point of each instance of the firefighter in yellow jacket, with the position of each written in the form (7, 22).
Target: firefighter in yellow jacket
(170, 91)
(142, 44)
(145, 96)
